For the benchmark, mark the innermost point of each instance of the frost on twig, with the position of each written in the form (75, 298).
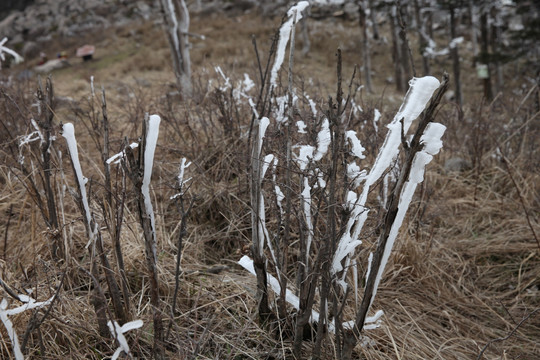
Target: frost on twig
(118, 332)
(4, 50)
(284, 35)
(5, 313)
(420, 91)
(180, 178)
(69, 134)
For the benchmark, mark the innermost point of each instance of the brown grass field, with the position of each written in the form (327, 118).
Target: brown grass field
(465, 271)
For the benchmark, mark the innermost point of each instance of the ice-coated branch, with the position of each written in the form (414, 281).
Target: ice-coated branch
(18, 58)
(284, 35)
(116, 158)
(294, 301)
(425, 143)
(180, 178)
(69, 134)
(29, 304)
(416, 99)
(118, 332)
(149, 150)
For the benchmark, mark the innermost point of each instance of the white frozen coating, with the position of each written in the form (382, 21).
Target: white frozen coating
(306, 208)
(152, 133)
(118, 332)
(247, 263)
(92, 86)
(355, 174)
(433, 144)
(305, 154)
(323, 141)
(248, 84)
(416, 99)
(253, 108)
(301, 127)
(180, 178)
(69, 134)
(356, 108)
(312, 105)
(376, 117)
(431, 139)
(280, 112)
(284, 34)
(263, 125)
(227, 80)
(3, 49)
(357, 148)
(279, 194)
(5, 314)
(455, 42)
(115, 159)
(181, 170)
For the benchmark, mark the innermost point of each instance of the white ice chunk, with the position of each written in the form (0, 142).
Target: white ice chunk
(284, 35)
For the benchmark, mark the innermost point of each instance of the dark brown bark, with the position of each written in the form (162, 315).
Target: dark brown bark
(484, 54)
(46, 100)
(455, 59)
(396, 52)
(366, 55)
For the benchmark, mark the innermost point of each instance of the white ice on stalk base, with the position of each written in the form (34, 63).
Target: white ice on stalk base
(180, 178)
(152, 133)
(247, 263)
(18, 58)
(284, 34)
(69, 134)
(115, 159)
(323, 141)
(29, 304)
(118, 332)
(416, 99)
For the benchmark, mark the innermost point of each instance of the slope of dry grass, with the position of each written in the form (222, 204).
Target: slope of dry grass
(465, 271)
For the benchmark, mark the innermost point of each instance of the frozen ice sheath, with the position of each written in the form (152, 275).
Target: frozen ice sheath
(149, 150)
(416, 99)
(284, 35)
(29, 304)
(432, 145)
(118, 332)
(69, 134)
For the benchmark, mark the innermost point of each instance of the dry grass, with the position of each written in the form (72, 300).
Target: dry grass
(465, 271)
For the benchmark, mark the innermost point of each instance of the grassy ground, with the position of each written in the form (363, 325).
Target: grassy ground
(466, 269)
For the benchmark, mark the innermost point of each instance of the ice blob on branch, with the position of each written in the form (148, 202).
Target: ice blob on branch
(152, 133)
(284, 35)
(69, 134)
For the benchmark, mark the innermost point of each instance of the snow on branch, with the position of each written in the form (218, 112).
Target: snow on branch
(180, 178)
(431, 139)
(4, 50)
(149, 151)
(69, 134)
(118, 332)
(5, 313)
(247, 263)
(295, 15)
(416, 99)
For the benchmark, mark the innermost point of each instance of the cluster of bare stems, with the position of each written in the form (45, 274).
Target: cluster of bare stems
(37, 162)
(294, 259)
